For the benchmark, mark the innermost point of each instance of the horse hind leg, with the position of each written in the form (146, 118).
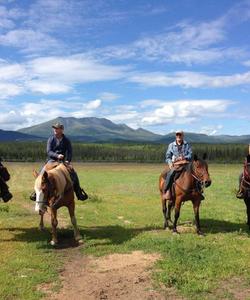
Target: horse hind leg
(77, 234)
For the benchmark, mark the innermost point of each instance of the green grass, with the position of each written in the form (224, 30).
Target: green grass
(124, 214)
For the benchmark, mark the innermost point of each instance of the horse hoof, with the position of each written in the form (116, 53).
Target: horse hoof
(200, 233)
(80, 242)
(175, 232)
(41, 228)
(53, 243)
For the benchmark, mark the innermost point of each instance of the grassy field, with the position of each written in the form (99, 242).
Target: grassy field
(124, 214)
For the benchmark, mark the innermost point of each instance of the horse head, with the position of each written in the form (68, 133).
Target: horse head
(44, 188)
(200, 170)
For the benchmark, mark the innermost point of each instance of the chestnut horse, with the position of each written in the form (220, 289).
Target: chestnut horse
(245, 186)
(54, 189)
(188, 186)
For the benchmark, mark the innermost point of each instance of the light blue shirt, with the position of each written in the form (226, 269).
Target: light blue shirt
(173, 152)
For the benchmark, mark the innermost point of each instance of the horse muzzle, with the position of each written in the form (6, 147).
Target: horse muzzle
(207, 183)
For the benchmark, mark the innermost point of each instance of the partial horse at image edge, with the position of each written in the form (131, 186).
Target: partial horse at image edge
(245, 185)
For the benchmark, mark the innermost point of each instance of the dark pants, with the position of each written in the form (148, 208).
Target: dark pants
(169, 179)
(3, 187)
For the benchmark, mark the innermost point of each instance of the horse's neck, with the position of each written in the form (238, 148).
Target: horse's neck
(186, 179)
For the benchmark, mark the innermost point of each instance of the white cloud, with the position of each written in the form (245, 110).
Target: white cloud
(29, 40)
(10, 90)
(74, 69)
(107, 96)
(190, 79)
(54, 75)
(48, 87)
(211, 130)
(93, 104)
(184, 111)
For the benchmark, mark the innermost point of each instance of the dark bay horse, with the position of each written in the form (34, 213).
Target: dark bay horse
(187, 186)
(54, 189)
(245, 186)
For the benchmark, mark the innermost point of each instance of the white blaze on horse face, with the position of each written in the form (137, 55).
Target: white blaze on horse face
(39, 200)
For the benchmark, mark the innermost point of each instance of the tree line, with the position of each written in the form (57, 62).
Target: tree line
(126, 152)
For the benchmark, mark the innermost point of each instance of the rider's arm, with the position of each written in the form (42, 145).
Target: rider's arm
(169, 155)
(51, 154)
(188, 152)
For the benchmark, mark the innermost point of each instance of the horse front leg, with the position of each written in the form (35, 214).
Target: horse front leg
(41, 224)
(196, 207)
(247, 202)
(176, 214)
(77, 234)
(54, 224)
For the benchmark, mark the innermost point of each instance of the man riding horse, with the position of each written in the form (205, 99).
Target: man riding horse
(178, 153)
(4, 189)
(59, 150)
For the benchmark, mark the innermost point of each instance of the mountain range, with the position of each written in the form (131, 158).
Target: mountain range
(103, 130)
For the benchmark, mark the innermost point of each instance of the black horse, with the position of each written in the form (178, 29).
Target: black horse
(245, 186)
(4, 189)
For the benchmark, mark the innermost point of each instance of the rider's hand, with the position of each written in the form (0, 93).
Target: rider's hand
(60, 156)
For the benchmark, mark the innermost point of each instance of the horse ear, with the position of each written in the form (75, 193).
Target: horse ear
(195, 157)
(248, 158)
(35, 173)
(204, 156)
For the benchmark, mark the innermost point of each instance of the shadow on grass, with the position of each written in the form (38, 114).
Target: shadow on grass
(42, 238)
(115, 233)
(222, 226)
(112, 234)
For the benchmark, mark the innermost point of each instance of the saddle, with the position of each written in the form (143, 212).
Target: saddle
(49, 166)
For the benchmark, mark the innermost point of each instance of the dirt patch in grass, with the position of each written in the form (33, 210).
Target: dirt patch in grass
(234, 288)
(116, 276)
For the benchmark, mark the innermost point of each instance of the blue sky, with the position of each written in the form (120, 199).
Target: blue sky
(157, 64)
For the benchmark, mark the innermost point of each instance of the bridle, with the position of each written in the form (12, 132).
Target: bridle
(198, 176)
(49, 194)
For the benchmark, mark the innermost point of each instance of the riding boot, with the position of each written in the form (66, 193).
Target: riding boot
(33, 196)
(169, 180)
(80, 193)
(5, 194)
